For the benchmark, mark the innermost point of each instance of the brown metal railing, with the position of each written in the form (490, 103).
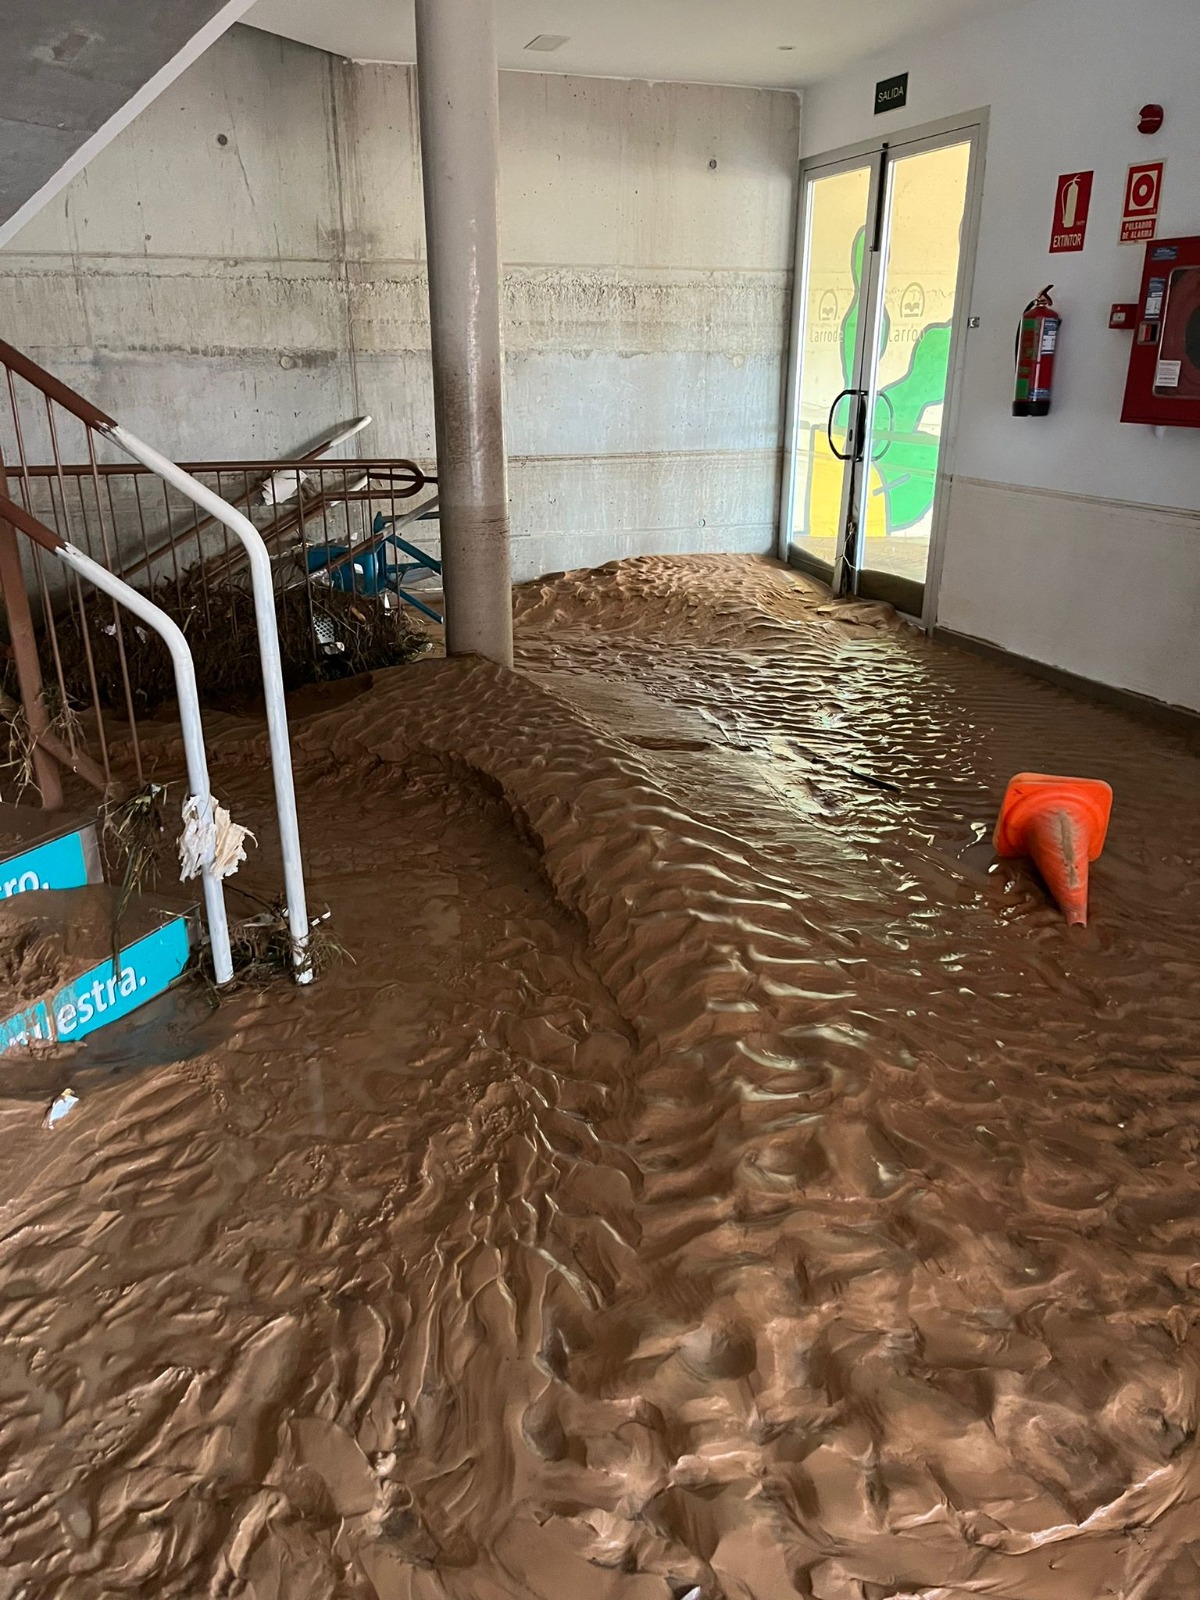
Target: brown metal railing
(83, 671)
(200, 802)
(46, 418)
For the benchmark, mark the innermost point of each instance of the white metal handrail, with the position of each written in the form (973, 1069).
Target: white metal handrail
(262, 586)
(189, 709)
(97, 422)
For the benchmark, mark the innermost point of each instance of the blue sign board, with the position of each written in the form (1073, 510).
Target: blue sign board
(27, 1027)
(66, 863)
(106, 993)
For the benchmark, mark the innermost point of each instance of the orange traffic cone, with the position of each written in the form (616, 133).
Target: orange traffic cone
(1062, 824)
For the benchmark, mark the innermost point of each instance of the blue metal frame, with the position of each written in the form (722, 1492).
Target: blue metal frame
(369, 572)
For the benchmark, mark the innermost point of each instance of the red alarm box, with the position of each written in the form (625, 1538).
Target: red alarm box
(1164, 365)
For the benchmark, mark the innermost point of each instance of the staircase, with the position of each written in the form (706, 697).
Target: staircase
(60, 979)
(128, 582)
(61, 569)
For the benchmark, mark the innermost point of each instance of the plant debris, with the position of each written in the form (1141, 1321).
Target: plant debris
(324, 633)
(262, 947)
(17, 743)
(133, 836)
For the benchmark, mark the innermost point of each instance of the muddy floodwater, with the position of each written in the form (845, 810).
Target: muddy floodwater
(713, 1174)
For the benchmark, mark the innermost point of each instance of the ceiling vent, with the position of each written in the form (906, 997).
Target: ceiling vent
(548, 41)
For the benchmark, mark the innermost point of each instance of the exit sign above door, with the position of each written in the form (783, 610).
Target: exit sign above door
(892, 93)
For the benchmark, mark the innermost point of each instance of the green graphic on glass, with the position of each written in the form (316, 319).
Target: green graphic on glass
(904, 458)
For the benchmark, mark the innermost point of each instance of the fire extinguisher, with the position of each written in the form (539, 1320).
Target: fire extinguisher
(1037, 339)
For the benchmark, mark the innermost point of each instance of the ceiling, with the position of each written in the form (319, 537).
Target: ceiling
(691, 41)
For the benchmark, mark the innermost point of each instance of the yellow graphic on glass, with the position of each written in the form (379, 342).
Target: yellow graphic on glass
(837, 214)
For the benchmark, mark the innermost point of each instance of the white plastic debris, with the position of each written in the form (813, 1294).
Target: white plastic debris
(220, 844)
(281, 486)
(66, 1103)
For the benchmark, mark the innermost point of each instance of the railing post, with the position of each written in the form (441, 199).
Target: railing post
(191, 728)
(263, 588)
(25, 658)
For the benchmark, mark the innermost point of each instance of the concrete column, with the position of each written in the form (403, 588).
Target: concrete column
(459, 103)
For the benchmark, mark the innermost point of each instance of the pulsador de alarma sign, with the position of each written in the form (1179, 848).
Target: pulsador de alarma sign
(1143, 194)
(1072, 203)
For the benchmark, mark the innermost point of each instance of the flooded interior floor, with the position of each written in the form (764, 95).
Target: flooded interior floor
(712, 1173)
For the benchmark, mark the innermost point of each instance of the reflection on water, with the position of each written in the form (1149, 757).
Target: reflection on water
(178, 1026)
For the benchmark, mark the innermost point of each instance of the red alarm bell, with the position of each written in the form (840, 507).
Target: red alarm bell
(1150, 119)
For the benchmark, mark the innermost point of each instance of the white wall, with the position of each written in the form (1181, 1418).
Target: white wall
(1078, 573)
(239, 298)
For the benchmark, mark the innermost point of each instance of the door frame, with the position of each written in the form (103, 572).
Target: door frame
(974, 126)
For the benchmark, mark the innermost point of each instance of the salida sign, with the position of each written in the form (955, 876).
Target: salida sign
(1072, 204)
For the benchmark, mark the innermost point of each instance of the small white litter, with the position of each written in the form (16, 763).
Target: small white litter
(281, 486)
(220, 844)
(66, 1103)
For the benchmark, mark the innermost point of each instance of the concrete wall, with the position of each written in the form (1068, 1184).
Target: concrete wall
(72, 72)
(1073, 540)
(241, 297)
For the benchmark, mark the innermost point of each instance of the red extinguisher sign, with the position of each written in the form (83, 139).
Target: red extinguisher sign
(1072, 206)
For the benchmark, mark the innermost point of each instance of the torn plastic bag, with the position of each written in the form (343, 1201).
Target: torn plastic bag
(219, 843)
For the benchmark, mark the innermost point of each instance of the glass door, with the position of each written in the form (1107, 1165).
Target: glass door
(882, 265)
(828, 415)
(925, 206)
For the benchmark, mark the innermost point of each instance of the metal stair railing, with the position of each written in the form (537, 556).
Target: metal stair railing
(172, 636)
(64, 408)
(146, 561)
(263, 590)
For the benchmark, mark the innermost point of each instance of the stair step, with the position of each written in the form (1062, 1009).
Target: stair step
(39, 852)
(61, 983)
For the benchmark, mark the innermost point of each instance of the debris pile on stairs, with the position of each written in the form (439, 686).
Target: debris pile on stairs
(357, 634)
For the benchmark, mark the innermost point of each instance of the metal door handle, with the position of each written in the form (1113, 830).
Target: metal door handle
(854, 433)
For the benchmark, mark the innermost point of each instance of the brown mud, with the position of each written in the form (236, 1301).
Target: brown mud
(713, 1173)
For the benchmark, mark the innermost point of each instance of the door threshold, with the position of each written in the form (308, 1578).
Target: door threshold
(905, 594)
(905, 597)
(812, 566)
